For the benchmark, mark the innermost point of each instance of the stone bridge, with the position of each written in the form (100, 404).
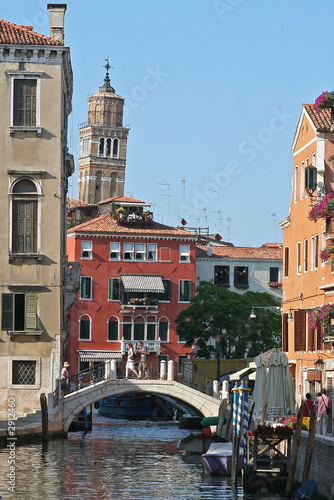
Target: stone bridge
(75, 402)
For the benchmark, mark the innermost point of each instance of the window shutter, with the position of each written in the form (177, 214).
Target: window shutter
(285, 333)
(30, 321)
(7, 311)
(300, 330)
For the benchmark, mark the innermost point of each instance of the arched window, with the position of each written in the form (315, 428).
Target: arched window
(24, 217)
(163, 329)
(98, 183)
(84, 327)
(108, 146)
(101, 146)
(113, 329)
(113, 177)
(115, 149)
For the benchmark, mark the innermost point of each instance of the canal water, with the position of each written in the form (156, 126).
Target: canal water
(119, 459)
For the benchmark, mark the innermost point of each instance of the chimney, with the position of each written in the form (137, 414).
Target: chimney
(57, 14)
(209, 250)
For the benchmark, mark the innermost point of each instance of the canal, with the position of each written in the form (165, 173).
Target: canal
(119, 459)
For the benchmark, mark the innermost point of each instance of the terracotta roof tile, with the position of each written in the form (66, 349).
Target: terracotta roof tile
(321, 120)
(107, 224)
(23, 35)
(268, 251)
(72, 203)
(122, 199)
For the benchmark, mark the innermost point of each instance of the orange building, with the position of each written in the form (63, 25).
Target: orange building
(308, 281)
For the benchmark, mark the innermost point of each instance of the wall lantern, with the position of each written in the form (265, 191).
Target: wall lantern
(319, 365)
(274, 309)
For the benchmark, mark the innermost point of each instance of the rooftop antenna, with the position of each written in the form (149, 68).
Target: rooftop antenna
(216, 212)
(168, 195)
(275, 223)
(228, 219)
(183, 187)
(206, 216)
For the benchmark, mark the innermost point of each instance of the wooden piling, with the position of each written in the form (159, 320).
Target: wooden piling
(45, 417)
(310, 444)
(221, 414)
(294, 453)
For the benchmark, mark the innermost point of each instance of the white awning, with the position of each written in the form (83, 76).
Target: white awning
(245, 371)
(142, 283)
(99, 355)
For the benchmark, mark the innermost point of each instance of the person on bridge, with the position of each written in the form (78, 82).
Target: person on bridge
(64, 378)
(142, 367)
(130, 365)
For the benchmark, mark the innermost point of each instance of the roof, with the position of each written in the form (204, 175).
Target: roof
(107, 225)
(268, 251)
(122, 199)
(23, 35)
(322, 119)
(72, 203)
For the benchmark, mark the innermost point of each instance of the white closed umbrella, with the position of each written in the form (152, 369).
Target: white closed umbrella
(279, 391)
(260, 382)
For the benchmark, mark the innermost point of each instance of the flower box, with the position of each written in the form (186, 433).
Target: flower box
(325, 100)
(323, 209)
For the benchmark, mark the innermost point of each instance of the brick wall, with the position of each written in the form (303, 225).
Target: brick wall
(322, 465)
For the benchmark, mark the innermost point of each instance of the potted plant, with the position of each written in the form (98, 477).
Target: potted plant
(325, 100)
(327, 253)
(323, 209)
(322, 314)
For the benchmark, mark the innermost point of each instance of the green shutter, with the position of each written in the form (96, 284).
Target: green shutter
(114, 289)
(84, 329)
(30, 320)
(163, 331)
(7, 311)
(113, 330)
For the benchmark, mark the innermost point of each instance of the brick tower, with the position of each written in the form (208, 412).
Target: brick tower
(103, 144)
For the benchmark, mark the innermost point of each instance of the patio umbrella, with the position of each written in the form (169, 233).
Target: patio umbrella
(260, 382)
(279, 391)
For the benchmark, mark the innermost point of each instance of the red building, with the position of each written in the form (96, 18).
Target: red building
(136, 276)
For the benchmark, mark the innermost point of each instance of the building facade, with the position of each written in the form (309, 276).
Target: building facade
(308, 281)
(35, 165)
(241, 269)
(136, 276)
(103, 146)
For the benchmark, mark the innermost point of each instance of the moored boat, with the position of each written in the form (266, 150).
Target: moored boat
(196, 444)
(134, 405)
(218, 459)
(188, 421)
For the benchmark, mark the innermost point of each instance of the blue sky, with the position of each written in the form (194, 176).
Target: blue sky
(213, 93)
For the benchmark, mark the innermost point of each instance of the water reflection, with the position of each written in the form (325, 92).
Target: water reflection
(117, 460)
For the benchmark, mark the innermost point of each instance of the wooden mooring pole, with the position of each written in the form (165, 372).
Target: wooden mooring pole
(45, 416)
(294, 453)
(310, 444)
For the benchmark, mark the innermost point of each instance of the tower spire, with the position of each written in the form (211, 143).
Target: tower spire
(107, 87)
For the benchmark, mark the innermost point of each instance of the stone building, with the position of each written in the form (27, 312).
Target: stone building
(35, 166)
(103, 145)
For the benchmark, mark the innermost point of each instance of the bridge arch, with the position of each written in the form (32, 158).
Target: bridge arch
(75, 402)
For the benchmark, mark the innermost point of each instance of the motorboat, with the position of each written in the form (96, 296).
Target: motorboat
(188, 421)
(218, 459)
(136, 406)
(196, 444)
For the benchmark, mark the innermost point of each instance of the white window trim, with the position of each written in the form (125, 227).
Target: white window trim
(184, 254)
(37, 374)
(91, 288)
(118, 251)
(168, 327)
(155, 252)
(113, 278)
(141, 252)
(118, 323)
(89, 250)
(312, 254)
(90, 328)
(179, 292)
(26, 75)
(298, 258)
(128, 251)
(305, 256)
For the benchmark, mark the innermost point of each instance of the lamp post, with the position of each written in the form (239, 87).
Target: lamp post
(274, 309)
(218, 338)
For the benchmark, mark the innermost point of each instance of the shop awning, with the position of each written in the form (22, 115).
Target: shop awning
(142, 283)
(99, 355)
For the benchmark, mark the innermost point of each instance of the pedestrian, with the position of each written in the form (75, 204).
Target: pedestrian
(142, 367)
(308, 403)
(130, 365)
(64, 378)
(324, 407)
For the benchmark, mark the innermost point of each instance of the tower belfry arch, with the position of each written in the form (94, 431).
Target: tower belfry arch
(103, 145)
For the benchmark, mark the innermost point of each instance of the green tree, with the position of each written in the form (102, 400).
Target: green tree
(215, 309)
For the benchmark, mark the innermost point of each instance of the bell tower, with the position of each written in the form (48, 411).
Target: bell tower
(103, 145)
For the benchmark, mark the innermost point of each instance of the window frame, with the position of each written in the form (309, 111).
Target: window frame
(91, 287)
(29, 314)
(184, 253)
(116, 251)
(111, 289)
(152, 247)
(225, 270)
(237, 281)
(163, 321)
(189, 292)
(89, 250)
(140, 252)
(116, 320)
(26, 75)
(131, 252)
(37, 361)
(80, 320)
